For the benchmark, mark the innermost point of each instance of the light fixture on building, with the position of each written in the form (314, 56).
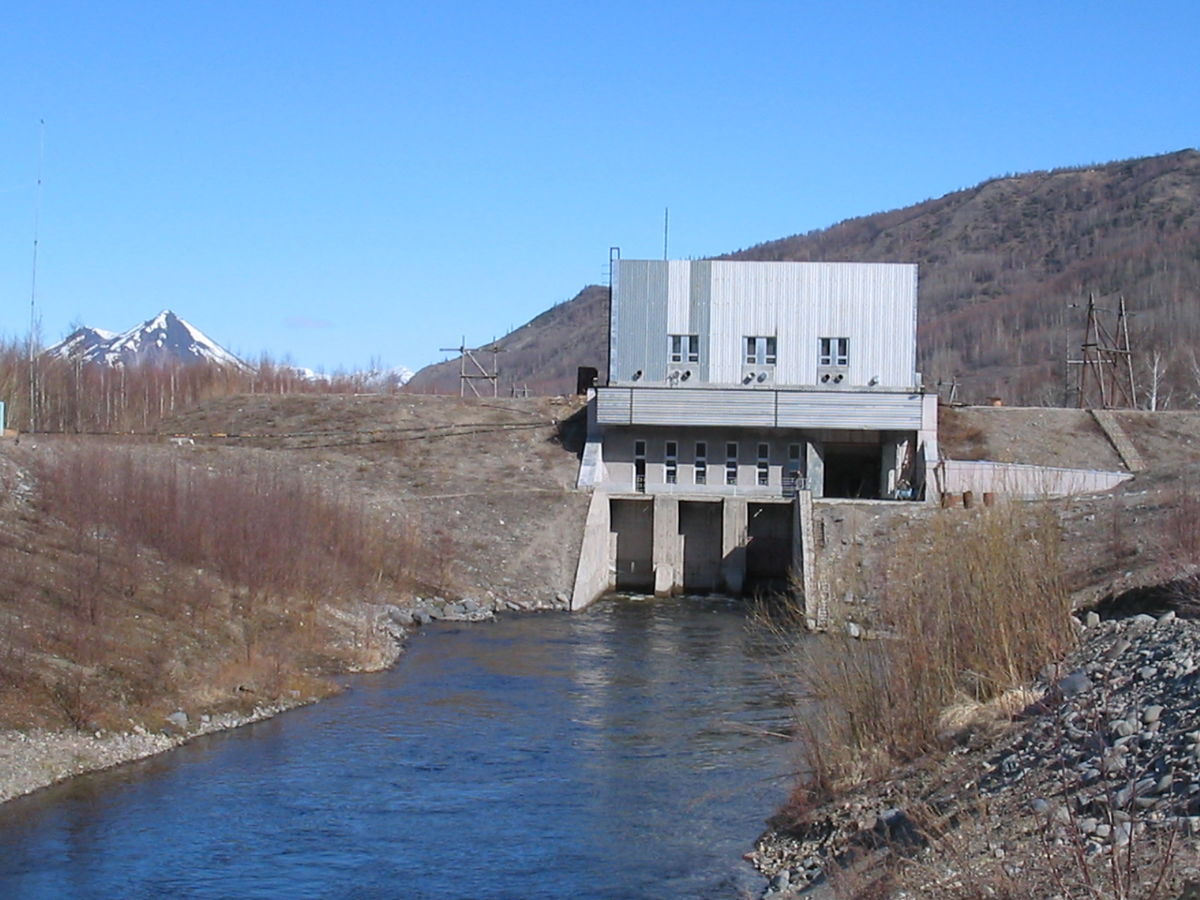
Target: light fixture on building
(637, 374)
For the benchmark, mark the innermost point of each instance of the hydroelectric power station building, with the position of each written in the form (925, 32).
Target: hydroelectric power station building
(738, 392)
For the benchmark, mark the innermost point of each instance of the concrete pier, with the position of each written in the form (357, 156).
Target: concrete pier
(670, 544)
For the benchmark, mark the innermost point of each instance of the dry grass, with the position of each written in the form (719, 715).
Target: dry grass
(973, 606)
(135, 581)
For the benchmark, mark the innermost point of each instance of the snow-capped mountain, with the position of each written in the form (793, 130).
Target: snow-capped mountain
(164, 339)
(368, 379)
(81, 343)
(387, 378)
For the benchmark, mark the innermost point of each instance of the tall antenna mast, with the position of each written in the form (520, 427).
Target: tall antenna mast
(666, 224)
(37, 216)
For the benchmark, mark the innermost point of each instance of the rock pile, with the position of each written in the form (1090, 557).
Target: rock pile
(1118, 734)
(1106, 762)
(438, 609)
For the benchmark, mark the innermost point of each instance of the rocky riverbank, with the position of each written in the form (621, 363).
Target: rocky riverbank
(1092, 787)
(38, 758)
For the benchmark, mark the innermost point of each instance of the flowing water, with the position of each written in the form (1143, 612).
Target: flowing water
(622, 752)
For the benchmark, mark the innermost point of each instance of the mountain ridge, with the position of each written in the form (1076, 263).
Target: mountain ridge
(1005, 267)
(162, 339)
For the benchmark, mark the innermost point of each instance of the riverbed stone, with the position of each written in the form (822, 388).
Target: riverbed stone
(178, 719)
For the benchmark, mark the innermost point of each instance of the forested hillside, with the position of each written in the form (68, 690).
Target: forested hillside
(1006, 269)
(542, 355)
(1003, 264)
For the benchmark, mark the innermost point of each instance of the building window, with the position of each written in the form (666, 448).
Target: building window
(671, 463)
(760, 351)
(731, 462)
(835, 352)
(685, 348)
(639, 466)
(764, 465)
(700, 470)
(793, 475)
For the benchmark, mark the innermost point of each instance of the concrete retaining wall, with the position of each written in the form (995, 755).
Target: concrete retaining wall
(1025, 482)
(594, 575)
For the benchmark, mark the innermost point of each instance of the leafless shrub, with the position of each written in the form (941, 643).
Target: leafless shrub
(255, 522)
(974, 605)
(169, 580)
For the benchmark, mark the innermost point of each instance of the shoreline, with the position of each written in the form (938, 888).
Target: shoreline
(33, 760)
(1096, 772)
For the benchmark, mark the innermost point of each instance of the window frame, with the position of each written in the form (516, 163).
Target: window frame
(833, 352)
(683, 348)
(671, 462)
(763, 465)
(760, 350)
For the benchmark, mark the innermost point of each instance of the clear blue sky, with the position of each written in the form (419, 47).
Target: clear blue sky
(341, 182)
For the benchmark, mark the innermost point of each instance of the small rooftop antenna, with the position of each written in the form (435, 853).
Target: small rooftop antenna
(666, 228)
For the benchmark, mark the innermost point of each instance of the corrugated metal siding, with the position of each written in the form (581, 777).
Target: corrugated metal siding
(830, 409)
(613, 406)
(699, 298)
(758, 408)
(702, 407)
(679, 289)
(872, 304)
(641, 321)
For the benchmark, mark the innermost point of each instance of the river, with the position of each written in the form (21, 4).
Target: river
(621, 752)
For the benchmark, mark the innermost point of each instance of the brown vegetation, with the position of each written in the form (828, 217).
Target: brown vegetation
(135, 582)
(139, 577)
(68, 396)
(969, 630)
(542, 356)
(1002, 265)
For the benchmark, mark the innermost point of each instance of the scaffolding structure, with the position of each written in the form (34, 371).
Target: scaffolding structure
(468, 375)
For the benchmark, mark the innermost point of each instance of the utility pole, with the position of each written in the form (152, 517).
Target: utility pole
(37, 215)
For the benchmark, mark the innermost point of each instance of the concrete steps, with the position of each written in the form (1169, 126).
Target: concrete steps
(1116, 434)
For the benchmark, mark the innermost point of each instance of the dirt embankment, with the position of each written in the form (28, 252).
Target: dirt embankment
(1090, 791)
(489, 482)
(116, 640)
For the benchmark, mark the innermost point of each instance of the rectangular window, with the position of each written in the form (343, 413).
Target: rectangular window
(671, 463)
(639, 466)
(834, 352)
(764, 465)
(760, 351)
(731, 463)
(685, 348)
(700, 470)
(793, 475)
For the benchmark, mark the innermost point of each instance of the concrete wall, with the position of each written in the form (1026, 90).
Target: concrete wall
(594, 573)
(663, 544)
(668, 547)
(618, 459)
(954, 476)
